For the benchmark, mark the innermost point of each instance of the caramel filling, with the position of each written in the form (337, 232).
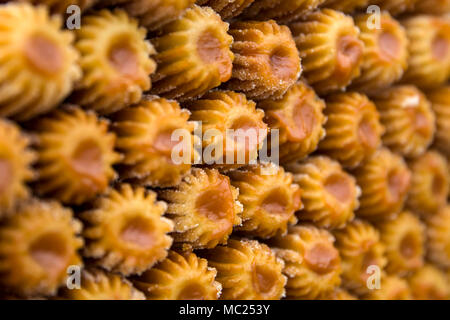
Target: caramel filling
(282, 64)
(217, 205)
(276, 202)
(398, 183)
(212, 51)
(87, 160)
(370, 258)
(43, 54)
(367, 134)
(420, 122)
(440, 47)
(163, 142)
(264, 279)
(389, 45)
(349, 54)
(339, 186)
(124, 59)
(409, 246)
(322, 258)
(192, 291)
(50, 252)
(245, 131)
(6, 175)
(138, 231)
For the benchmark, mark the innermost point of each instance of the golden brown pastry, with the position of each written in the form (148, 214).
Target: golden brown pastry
(75, 155)
(404, 240)
(37, 61)
(126, 231)
(347, 6)
(299, 119)
(440, 103)
(232, 128)
(269, 200)
(385, 181)
(429, 283)
(227, 8)
(408, 120)
(180, 277)
(194, 55)
(438, 237)
(60, 6)
(312, 263)
(385, 55)
(284, 11)
(204, 208)
(154, 14)
(248, 270)
(329, 194)
(266, 60)
(339, 294)
(115, 59)
(360, 249)
(396, 7)
(99, 285)
(391, 288)
(15, 161)
(330, 49)
(432, 6)
(429, 184)
(353, 129)
(146, 136)
(37, 245)
(429, 50)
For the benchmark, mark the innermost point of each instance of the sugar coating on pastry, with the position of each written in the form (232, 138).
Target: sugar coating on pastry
(408, 119)
(404, 240)
(75, 155)
(193, 56)
(396, 7)
(298, 116)
(329, 194)
(15, 161)
(181, 276)
(37, 245)
(269, 201)
(99, 285)
(248, 270)
(437, 7)
(37, 61)
(429, 283)
(440, 103)
(283, 11)
(227, 9)
(384, 180)
(438, 237)
(232, 127)
(312, 263)
(385, 54)
(429, 50)
(347, 6)
(154, 14)
(330, 49)
(266, 60)
(361, 250)
(154, 154)
(391, 288)
(429, 183)
(115, 59)
(353, 128)
(126, 230)
(204, 208)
